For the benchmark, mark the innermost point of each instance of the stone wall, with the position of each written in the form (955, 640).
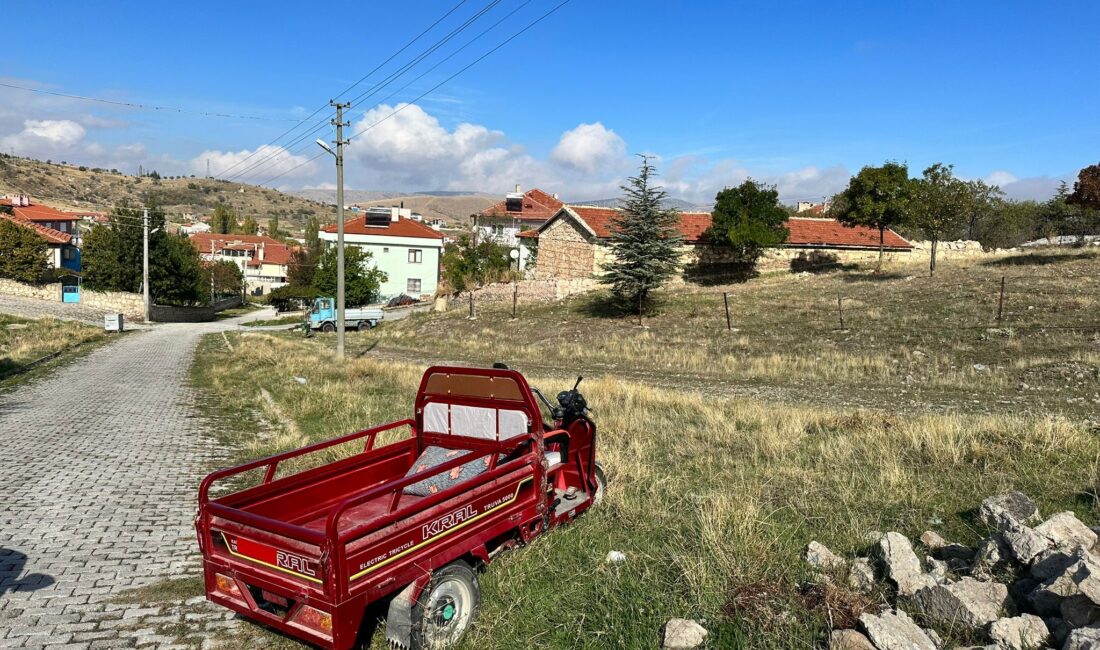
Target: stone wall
(130, 305)
(525, 291)
(565, 252)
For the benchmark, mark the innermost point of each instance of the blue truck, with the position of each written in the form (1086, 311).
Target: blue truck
(322, 316)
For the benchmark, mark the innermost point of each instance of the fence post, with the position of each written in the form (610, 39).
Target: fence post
(726, 301)
(840, 308)
(1001, 301)
(639, 309)
(515, 295)
(472, 314)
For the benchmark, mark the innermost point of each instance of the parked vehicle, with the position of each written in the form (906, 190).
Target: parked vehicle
(404, 526)
(323, 316)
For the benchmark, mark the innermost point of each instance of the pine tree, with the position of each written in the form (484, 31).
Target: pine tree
(645, 242)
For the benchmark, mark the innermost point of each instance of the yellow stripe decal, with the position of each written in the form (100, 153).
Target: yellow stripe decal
(443, 534)
(270, 566)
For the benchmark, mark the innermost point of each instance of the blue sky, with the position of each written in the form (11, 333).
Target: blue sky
(800, 94)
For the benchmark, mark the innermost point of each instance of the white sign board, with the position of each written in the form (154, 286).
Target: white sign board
(112, 322)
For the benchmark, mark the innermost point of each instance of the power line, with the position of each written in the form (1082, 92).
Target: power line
(393, 76)
(430, 90)
(361, 80)
(151, 107)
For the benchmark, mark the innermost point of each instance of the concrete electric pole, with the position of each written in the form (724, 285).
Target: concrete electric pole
(339, 123)
(145, 260)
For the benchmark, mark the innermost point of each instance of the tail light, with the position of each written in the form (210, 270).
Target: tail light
(313, 620)
(227, 586)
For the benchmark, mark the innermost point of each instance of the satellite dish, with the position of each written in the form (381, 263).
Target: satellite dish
(514, 254)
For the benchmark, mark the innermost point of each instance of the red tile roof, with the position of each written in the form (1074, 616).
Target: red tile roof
(529, 234)
(537, 206)
(400, 228)
(832, 233)
(266, 249)
(49, 234)
(41, 212)
(828, 233)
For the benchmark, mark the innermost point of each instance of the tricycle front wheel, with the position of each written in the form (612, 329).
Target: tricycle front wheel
(447, 608)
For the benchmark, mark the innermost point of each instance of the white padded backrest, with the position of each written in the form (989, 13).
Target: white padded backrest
(474, 421)
(436, 418)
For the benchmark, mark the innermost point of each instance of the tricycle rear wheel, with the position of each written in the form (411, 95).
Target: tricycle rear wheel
(601, 485)
(447, 608)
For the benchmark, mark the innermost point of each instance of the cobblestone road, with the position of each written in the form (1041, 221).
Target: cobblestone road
(99, 467)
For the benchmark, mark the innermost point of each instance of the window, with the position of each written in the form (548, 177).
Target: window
(416, 256)
(498, 229)
(412, 285)
(385, 249)
(67, 254)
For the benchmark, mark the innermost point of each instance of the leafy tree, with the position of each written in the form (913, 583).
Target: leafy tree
(985, 200)
(273, 227)
(876, 197)
(467, 264)
(645, 242)
(939, 206)
(1061, 216)
(1008, 224)
(249, 227)
(361, 280)
(748, 219)
(300, 270)
(26, 255)
(1086, 191)
(223, 221)
(313, 235)
(175, 272)
(223, 277)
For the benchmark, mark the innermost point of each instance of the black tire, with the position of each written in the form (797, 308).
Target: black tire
(364, 325)
(328, 327)
(601, 485)
(447, 609)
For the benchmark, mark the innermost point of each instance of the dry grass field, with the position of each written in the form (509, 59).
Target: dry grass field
(729, 451)
(24, 341)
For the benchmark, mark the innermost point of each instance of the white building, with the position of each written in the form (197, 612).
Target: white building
(407, 251)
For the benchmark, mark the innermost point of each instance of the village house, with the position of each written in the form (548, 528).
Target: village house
(56, 227)
(510, 222)
(263, 261)
(407, 251)
(575, 242)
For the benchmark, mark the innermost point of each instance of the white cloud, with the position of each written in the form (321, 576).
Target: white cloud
(590, 148)
(1000, 178)
(45, 137)
(275, 161)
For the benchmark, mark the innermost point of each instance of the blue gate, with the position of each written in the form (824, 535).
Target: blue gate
(70, 293)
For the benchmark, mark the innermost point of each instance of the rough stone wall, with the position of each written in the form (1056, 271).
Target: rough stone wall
(130, 305)
(526, 291)
(565, 253)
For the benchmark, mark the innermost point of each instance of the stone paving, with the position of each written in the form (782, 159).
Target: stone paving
(99, 467)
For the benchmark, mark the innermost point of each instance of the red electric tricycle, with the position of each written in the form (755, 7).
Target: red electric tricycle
(399, 531)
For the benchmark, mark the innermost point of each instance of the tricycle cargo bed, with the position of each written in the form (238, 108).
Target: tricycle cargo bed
(306, 553)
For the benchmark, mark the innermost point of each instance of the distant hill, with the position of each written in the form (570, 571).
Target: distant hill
(72, 187)
(671, 202)
(454, 208)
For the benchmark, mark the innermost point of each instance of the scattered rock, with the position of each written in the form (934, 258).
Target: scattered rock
(1083, 638)
(1001, 511)
(980, 367)
(615, 557)
(683, 634)
(1055, 562)
(969, 602)
(1058, 630)
(1079, 611)
(861, 575)
(937, 569)
(1066, 530)
(1019, 632)
(849, 640)
(820, 557)
(902, 565)
(934, 636)
(991, 551)
(1080, 578)
(301, 380)
(932, 540)
(956, 552)
(894, 630)
(1025, 544)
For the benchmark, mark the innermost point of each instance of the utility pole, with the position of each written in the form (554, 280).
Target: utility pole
(340, 142)
(145, 260)
(211, 269)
